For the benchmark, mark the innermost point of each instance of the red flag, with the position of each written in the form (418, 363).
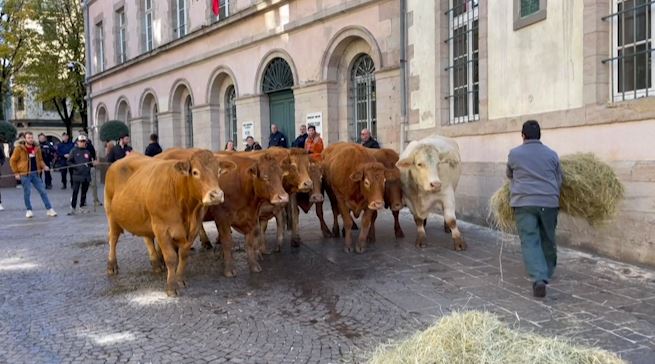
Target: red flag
(216, 7)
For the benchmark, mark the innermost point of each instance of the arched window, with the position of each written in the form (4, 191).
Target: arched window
(363, 93)
(188, 125)
(277, 77)
(231, 114)
(155, 119)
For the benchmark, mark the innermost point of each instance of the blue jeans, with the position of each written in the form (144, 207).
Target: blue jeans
(536, 227)
(33, 179)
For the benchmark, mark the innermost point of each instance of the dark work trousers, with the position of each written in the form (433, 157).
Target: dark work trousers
(76, 188)
(536, 228)
(48, 178)
(65, 171)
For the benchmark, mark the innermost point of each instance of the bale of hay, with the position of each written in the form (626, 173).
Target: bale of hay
(479, 337)
(590, 190)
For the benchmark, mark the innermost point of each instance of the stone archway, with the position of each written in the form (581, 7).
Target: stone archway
(181, 105)
(277, 83)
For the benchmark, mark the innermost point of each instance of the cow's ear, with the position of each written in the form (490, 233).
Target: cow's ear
(253, 170)
(183, 167)
(357, 175)
(404, 163)
(226, 166)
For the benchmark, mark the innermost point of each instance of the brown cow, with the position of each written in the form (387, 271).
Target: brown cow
(393, 194)
(304, 201)
(254, 182)
(355, 183)
(165, 200)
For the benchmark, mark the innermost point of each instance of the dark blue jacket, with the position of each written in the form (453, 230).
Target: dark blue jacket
(48, 152)
(62, 150)
(81, 159)
(278, 139)
(300, 141)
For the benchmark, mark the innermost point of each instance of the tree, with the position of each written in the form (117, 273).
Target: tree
(15, 33)
(55, 58)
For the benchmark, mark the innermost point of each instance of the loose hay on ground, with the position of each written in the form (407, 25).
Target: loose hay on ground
(590, 190)
(479, 337)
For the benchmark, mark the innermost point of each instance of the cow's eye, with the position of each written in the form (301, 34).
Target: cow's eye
(421, 165)
(196, 173)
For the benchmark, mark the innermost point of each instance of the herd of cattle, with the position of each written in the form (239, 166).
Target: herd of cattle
(167, 198)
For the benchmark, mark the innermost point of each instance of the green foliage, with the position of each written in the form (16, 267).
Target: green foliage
(7, 132)
(112, 130)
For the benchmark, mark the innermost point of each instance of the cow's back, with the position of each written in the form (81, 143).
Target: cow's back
(119, 173)
(340, 161)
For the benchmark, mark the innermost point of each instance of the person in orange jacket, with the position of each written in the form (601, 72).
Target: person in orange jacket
(313, 143)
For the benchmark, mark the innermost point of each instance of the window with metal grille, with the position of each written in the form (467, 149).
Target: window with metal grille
(147, 25)
(464, 100)
(100, 47)
(122, 35)
(231, 114)
(277, 76)
(188, 124)
(632, 65)
(223, 10)
(180, 18)
(363, 94)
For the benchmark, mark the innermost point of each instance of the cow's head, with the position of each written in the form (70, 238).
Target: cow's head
(425, 164)
(300, 160)
(393, 192)
(371, 178)
(267, 179)
(316, 174)
(203, 171)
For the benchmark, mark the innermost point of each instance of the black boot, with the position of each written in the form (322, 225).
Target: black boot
(539, 289)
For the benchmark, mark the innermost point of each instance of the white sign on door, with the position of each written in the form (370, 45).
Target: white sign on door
(316, 119)
(248, 129)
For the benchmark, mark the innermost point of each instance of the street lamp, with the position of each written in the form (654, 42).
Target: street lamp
(71, 65)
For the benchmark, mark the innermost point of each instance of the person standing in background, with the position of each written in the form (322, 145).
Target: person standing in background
(153, 148)
(300, 140)
(3, 158)
(81, 161)
(251, 144)
(63, 149)
(120, 150)
(368, 141)
(314, 143)
(49, 153)
(277, 139)
(229, 146)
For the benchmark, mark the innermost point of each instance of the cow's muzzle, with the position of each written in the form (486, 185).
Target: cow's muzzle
(435, 186)
(396, 206)
(376, 205)
(214, 197)
(306, 186)
(280, 198)
(316, 197)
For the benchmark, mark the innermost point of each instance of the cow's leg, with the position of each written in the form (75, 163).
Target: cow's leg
(279, 234)
(114, 232)
(319, 213)
(396, 225)
(420, 232)
(451, 221)
(371, 229)
(225, 234)
(348, 224)
(170, 258)
(251, 240)
(364, 231)
(335, 223)
(153, 256)
(294, 215)
(204, 238)
(183, 253)
(263, 245)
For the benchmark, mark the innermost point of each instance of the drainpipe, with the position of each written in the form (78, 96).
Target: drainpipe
(89, 103)
(403, 74)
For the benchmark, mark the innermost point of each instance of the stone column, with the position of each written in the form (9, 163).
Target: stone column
(170, 134)
(255, 109)
(316, 98)
(206, 131)
(140, 129)
(387, 98)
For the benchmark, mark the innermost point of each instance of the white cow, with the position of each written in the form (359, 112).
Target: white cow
(429, 172)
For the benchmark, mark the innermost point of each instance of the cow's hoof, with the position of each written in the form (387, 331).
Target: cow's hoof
(326, 233)
(335, 233)
(112, 268)
(400, 234)
(446, 229)
(296, 242)
(460, 245)
(156, 267)
(360, 249)
(255, 268)
(230, 273)
(182, 284)
(171, 292)
(347, 249)
(420, 244)
(207, 245)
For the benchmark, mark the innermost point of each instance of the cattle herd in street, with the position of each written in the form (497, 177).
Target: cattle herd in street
(167, 198)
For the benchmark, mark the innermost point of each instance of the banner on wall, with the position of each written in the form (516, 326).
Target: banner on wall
(248, 129)
(316, 119)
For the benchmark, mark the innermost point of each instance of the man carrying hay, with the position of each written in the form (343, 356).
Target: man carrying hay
(536, 177)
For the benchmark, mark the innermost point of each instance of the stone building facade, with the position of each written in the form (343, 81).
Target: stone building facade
(475, 70)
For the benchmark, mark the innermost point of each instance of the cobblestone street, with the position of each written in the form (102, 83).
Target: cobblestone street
(309, 305)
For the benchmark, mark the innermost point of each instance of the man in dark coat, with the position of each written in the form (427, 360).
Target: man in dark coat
(3, 158)
(153, 148)
(368, 141)
(48, 152)
(120, 150)
(277, 139)
(81, 161)
(251, 144)
(63, 150)
(300, 140)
